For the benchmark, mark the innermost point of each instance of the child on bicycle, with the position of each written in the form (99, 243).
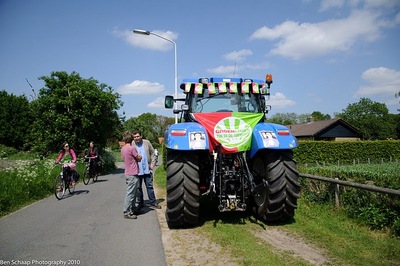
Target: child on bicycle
(68, 157)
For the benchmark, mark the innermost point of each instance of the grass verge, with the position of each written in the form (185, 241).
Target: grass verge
(344, 241)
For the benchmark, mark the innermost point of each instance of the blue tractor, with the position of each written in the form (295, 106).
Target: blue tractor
(223, 147)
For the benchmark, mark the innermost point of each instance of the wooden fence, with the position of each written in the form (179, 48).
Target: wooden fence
(351, 184)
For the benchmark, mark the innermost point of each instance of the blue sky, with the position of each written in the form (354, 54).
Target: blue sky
(323, 55)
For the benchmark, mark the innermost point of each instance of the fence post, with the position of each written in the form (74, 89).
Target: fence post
(337, 202)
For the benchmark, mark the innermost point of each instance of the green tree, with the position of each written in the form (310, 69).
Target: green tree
(318, 116)
(371, 118)
(70, 108)
(15, 119)
(150, 125)
(396, 119)
(284, 118)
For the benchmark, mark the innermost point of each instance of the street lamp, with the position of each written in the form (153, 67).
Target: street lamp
(146, 32)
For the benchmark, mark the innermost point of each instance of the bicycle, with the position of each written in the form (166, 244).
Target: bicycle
(90, 170)
(62, 182)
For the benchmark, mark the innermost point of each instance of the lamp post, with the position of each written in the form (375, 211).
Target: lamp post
(146, 32)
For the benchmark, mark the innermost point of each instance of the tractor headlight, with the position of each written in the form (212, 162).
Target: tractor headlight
(197, 140)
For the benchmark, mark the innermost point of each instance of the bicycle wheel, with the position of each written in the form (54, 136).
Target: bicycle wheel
(59, 187)
(96, 175)
(71, 188)
(86, 176)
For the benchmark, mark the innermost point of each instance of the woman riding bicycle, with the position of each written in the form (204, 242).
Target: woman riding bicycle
(94, 154)
(68, 158)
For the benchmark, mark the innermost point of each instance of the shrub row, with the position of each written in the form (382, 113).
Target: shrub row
(347, 151)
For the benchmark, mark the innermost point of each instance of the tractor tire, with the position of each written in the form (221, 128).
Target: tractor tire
(183, 191)
(278, 201)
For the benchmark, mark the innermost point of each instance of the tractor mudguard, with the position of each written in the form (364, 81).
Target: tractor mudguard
(271, 136)
(186, 136)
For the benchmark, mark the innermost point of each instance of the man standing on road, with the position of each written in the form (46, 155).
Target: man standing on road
(131, 159)
(146, 166)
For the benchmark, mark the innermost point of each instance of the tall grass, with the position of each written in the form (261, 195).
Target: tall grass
(26, 181)
(26, 178)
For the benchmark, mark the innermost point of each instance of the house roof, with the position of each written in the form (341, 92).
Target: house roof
(318, 128)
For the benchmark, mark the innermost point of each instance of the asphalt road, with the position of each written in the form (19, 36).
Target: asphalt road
(86, 228)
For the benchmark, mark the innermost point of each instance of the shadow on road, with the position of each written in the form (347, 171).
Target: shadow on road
(118, 171)
(209, 212)
(75, 193)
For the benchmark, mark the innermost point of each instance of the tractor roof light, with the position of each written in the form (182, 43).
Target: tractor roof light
(268, 79)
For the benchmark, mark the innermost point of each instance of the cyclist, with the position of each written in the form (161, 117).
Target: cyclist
(68, 157)
(94, 153)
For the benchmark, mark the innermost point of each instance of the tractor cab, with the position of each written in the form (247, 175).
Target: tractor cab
(210, 95)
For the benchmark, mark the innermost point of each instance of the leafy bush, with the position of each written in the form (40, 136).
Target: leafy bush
(377, 210)
(107, 161)
(6, 152)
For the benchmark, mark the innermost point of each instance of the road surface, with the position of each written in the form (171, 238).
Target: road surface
(86, 228)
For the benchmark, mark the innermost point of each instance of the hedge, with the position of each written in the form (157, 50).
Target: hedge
(347, 151)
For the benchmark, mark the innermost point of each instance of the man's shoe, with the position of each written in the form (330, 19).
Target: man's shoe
(130, 216)
(156, 206)
(137, 212)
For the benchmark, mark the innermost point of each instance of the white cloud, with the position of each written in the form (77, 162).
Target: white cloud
(280, 101)
(366, 4)
(301, 40)
(397, 19)
(148, 41)
(238, 56)
(327, 4)
(223, 70)
(157, 103)
(382, 81)
(381, 3)
(234, 71)
(141, 87)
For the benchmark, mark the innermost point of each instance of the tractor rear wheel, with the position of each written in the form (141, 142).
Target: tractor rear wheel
(183, 192)
(278, 201)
